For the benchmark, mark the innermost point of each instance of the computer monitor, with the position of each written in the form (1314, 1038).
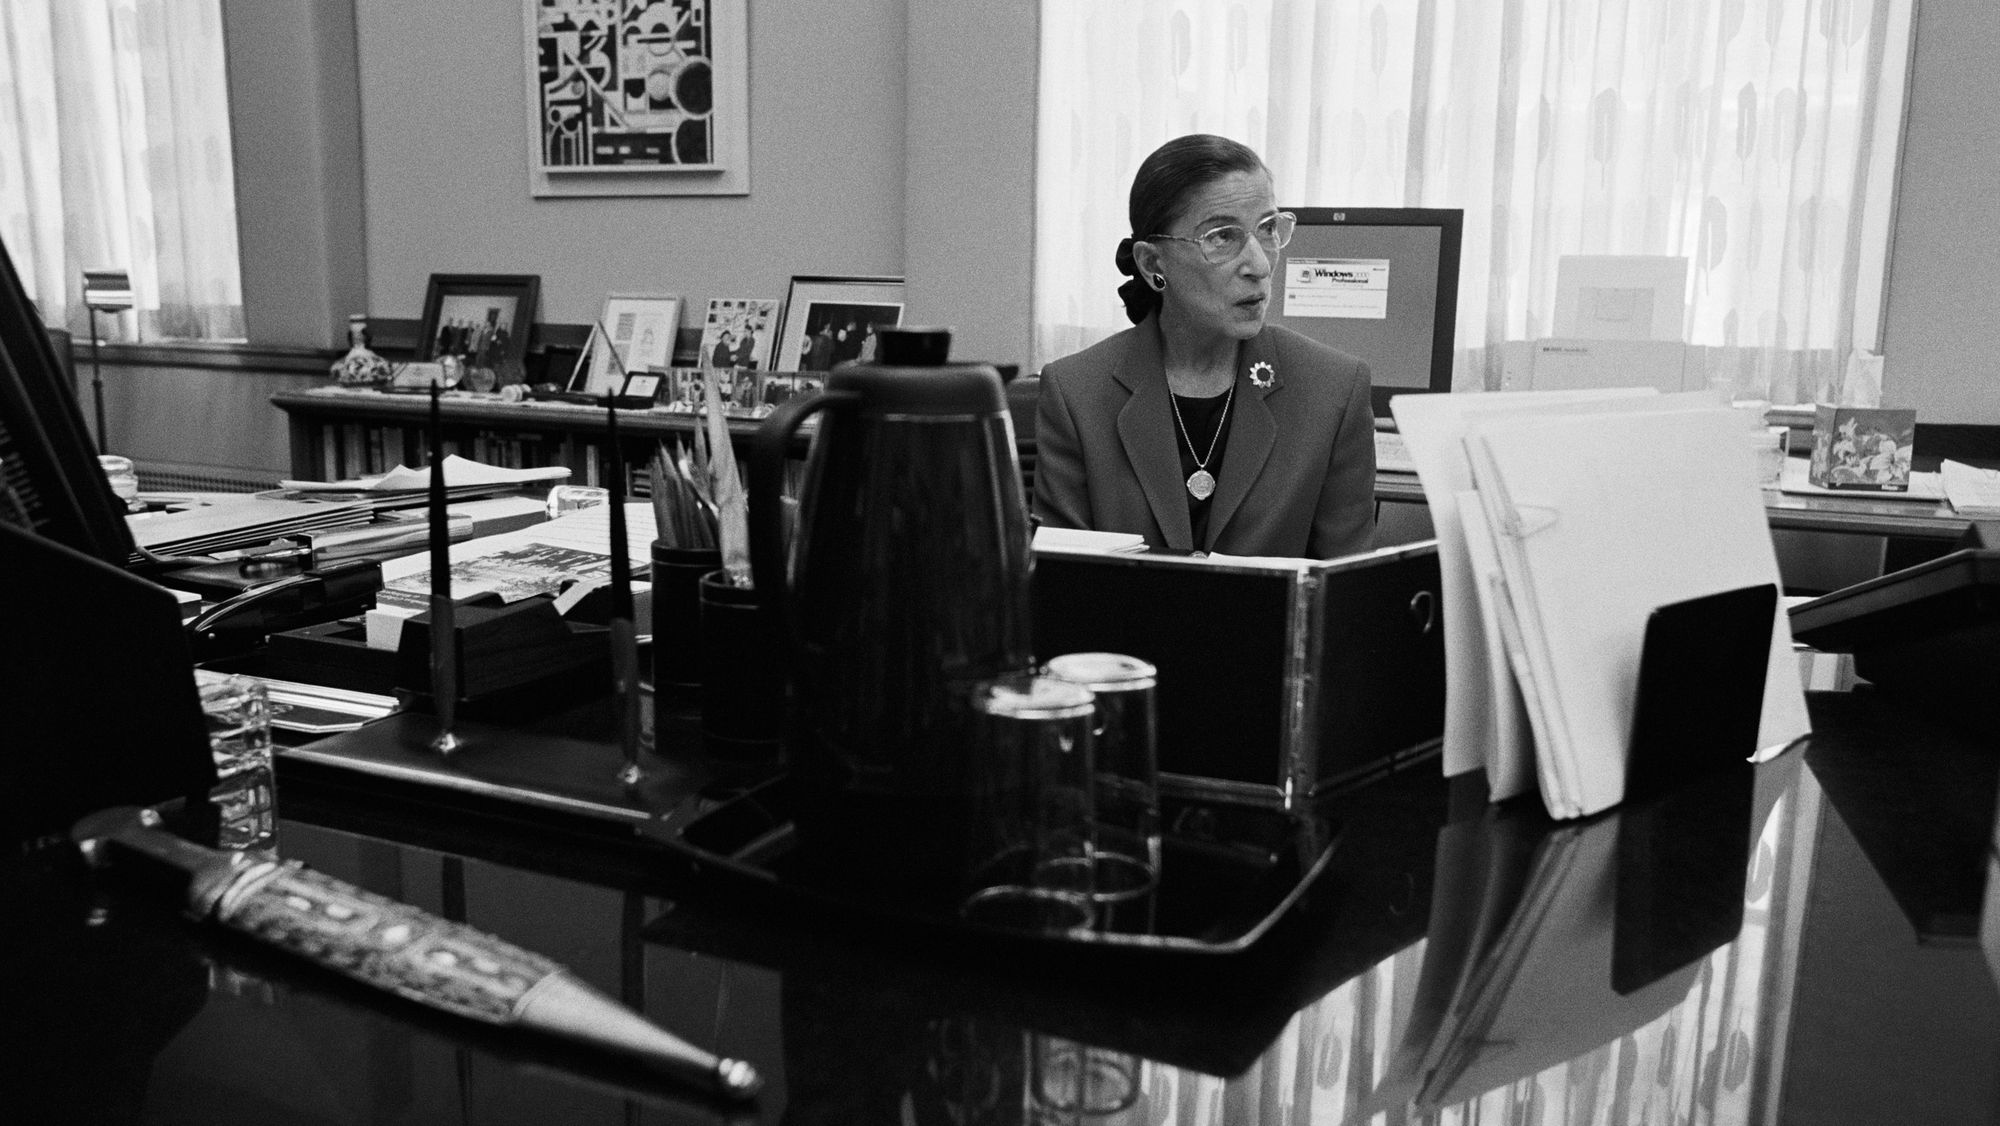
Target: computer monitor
(50, 482)
(1380, 284)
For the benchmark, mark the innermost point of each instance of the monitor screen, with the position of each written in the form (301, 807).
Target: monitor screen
(1380, 284)
(50, 482)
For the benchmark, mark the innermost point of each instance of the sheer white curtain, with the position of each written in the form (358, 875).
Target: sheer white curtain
(1757, 138)
(115, 152)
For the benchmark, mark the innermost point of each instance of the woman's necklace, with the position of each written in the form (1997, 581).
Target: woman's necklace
(1201, 483)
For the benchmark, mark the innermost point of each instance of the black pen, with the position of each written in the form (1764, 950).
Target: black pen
(404, 950)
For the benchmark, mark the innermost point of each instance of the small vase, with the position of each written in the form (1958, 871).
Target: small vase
(361, 366)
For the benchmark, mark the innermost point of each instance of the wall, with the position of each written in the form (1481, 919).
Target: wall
(446, 150)
(296, 130)
(206, 421)
(1941, 339)
(970, 188)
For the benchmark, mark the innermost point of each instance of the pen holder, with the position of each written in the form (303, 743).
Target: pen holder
(742, 690)
(676, 575)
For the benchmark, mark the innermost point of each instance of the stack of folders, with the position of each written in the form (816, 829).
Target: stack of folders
(1564, 519)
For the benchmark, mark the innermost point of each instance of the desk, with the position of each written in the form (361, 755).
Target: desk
(1823, 543)
(1828, 1007)
(1842, 515)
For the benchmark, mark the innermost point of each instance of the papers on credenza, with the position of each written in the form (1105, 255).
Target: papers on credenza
(1972, 491)
(459, 473)
(1597, 521)
(1087, 541)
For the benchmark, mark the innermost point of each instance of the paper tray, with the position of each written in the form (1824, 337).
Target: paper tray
(1228, 874)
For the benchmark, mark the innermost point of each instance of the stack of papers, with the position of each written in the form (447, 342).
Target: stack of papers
(1972, 491)
(1563, 523)
(240, 521)
(1084, 540)
(459, 473)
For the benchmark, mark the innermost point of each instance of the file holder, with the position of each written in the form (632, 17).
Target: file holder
(1701, 688)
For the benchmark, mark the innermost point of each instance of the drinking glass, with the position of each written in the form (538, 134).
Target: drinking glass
(1031, 826)
(1127, 769)
(238, 713)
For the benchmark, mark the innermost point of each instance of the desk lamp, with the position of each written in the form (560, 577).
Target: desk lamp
(104, 291)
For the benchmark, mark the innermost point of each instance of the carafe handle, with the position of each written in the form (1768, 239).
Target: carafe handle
(768, 549)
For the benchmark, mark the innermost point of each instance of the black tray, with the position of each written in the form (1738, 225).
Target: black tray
(1229, 873)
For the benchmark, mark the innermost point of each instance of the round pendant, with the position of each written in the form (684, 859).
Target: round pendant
(1201, 484)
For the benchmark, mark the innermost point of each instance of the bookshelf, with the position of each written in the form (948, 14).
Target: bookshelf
(338, 434)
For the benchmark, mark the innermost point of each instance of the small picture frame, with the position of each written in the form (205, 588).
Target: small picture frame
(484, 319)
(687, 391)
(738, 332)
(636, 329)
(745, 394)
(830, 320)
(639, 390)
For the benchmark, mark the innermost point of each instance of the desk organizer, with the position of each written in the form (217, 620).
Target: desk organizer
(1227, 874)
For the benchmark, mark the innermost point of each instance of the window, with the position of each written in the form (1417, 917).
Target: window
(1757, 138)
(115, 152)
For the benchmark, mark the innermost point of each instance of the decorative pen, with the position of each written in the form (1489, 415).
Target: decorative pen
(444, 624)
(624, 635)
(399, 948)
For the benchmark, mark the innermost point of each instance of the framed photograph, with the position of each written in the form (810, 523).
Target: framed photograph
(639, 390)
(636, 329)
(638, 98)
(481, 318)
(686, 392)
(738, 333)
(830, 320)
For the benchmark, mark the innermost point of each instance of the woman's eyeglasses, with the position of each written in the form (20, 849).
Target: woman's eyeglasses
(1224, 243)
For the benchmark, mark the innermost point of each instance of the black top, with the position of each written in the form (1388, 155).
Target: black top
(1852, 986)
(1202, 417)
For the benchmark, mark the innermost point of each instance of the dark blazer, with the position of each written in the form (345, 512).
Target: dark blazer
(1298, 474)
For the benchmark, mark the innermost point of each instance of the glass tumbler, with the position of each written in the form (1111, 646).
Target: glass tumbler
(238, 713)
(1031, 825)
(1127, 769)
(239, 722)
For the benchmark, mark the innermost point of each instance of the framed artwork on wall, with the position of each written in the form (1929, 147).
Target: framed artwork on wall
(829, 320)
(483, 319)
(638, 97)
(637, 330)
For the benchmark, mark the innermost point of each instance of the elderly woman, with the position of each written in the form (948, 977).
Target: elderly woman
(1201, 427)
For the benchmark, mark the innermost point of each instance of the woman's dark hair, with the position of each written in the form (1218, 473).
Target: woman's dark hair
(1160, 189)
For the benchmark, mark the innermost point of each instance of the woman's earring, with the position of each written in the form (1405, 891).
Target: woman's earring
(1159, 281)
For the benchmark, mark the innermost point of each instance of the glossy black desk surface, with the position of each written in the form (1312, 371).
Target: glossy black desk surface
(1854, 988)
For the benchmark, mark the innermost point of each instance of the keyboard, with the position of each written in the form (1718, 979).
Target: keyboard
(1391, 455)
